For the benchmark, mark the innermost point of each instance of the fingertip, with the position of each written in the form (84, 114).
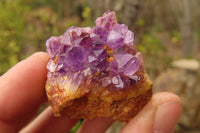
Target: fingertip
(46, 122)
(97, 125)
(166, 117)
(43, 56)
(22, 87)
(165, 97)
(145, 120)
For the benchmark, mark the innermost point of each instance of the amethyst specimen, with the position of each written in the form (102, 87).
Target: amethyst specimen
(107, 49)
(96, 72)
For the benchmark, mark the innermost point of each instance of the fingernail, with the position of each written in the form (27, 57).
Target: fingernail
(166, 117)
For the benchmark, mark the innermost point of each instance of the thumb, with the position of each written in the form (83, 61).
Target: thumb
(160, 115)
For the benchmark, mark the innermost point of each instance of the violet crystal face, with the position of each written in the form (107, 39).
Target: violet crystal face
(104, 55)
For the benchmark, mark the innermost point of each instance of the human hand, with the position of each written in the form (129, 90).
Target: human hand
(22, 92)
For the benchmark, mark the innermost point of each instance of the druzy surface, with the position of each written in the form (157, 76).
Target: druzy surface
(104, 55)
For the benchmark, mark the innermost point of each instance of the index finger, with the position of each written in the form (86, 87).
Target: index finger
(22, 90)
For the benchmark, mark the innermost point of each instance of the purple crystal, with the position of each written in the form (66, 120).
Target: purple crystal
(99, 52)
(122, 59)
(106, 81)
(131, 67)
(127, 34)
(108, 20)
(121, 28)
(127, 63)
(101, 32)
(129, 38)
(96, 57)
(76, 58)
(102, 64)
(115, 40)
(104, 52)
(53, 46)
(113, 68)
(87, 43)
(117, 81)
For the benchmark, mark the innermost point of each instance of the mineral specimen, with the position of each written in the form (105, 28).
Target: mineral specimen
(95, 72)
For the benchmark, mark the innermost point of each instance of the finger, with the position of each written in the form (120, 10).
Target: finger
(22, 91)
(98, 125)
(47, 123)
(160, 115)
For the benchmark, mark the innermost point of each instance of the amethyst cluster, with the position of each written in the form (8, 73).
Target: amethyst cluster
(105, 52)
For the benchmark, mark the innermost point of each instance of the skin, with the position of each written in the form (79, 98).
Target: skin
(22, 91)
